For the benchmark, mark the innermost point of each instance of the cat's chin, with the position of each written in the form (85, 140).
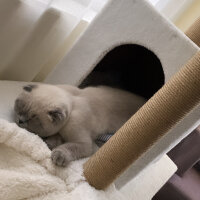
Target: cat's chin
(40, 135)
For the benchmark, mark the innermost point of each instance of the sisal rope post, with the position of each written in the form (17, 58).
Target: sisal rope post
(167, 107)
(193, 32)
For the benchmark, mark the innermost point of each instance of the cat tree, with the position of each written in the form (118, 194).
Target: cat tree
(124, 32)
(119, 32)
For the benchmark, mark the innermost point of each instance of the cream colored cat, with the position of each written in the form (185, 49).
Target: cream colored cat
(78, 115)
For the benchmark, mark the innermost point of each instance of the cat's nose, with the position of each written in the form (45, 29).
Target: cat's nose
(21, 121)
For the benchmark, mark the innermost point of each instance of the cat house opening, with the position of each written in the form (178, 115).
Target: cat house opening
(131, 67)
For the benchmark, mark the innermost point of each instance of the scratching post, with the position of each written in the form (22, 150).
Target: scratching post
(194, 32)
(166, 108)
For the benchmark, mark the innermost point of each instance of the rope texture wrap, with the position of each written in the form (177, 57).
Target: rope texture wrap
(194, 32)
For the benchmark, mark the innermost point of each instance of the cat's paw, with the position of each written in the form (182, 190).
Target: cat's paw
(60, 157)
(51, 145)
(53, 141)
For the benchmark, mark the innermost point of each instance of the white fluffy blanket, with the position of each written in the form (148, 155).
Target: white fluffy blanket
(26, 171)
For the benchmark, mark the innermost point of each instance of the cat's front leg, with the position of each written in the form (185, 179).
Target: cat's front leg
(71, 151)
(53, 141)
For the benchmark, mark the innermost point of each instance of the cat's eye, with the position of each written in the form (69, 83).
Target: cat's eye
(56, 115)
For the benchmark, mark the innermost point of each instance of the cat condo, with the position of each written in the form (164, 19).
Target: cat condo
(131, 46)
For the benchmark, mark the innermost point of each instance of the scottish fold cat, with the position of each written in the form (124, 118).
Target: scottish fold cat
(78, 115)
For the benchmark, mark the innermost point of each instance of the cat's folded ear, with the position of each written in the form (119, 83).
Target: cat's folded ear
(29, 88)
(57, 115)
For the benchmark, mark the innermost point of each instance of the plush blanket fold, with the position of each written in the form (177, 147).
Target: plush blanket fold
(26, 171)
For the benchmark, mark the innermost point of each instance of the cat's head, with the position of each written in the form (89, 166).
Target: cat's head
(42, 109)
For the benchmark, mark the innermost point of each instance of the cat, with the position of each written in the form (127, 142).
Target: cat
(78, 115)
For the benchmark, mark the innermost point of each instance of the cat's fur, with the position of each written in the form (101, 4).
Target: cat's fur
(78, 115)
